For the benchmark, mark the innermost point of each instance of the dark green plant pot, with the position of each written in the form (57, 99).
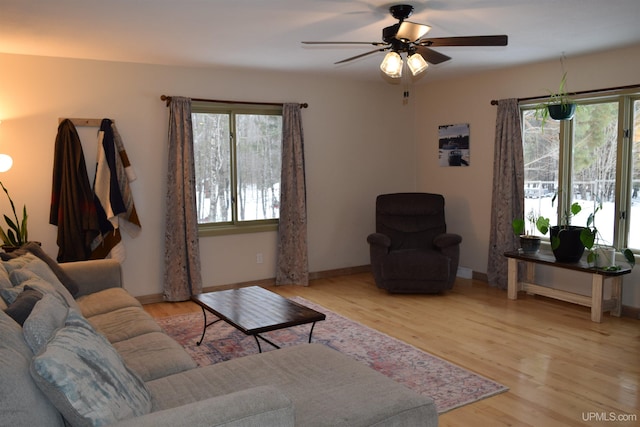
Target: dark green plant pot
(561, 111)
(571, 247)
(529, 244)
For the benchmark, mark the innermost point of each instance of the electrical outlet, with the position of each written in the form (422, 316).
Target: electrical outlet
(259, 258)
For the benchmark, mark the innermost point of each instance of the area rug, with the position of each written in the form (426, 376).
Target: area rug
(449, 385)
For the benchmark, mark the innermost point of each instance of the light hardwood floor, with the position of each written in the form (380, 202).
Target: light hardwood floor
(561, 368)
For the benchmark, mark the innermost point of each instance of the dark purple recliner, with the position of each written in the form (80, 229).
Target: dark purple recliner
(411, 251)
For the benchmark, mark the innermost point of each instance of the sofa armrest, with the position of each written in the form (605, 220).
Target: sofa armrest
(259, 406)
(94, 275)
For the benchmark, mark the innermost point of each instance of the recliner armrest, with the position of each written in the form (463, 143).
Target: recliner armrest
(379, 239)
(446, 240)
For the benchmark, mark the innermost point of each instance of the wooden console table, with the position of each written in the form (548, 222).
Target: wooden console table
(598, 276)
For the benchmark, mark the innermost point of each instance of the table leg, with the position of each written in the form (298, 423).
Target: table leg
(512, 278)
(204, 328)
(616, 293)
(311, 331)
(256, 336)
(596, 297)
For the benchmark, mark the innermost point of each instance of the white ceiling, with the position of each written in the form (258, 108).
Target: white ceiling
(266, 34)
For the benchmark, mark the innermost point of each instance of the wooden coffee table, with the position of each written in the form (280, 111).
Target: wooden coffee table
(254, 310)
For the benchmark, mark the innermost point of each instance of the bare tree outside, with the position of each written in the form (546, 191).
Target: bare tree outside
(237, 168)
(212, 151)
(259, 151)
(594, 171)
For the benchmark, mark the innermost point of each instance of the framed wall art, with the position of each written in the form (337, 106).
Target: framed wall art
(453, 145)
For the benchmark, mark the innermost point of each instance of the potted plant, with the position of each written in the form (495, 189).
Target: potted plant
(529, 242)
(601, 255)
(566, 243)
(16, 234)
(559, 106)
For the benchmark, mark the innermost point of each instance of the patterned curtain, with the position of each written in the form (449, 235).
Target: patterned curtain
(508, 190)
(182, 275)
(292, 260)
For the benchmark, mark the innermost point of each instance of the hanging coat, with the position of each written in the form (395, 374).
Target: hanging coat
(113, 198)
(72, 206)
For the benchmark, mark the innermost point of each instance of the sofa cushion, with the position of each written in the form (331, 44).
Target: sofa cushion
(21, 403)
(154, 355)
(106, 301)
(20, 309)
(47, 316)
(124, 323)
(327, 388)
(85, 378)
(35, 249)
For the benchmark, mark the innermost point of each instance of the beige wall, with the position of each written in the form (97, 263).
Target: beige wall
(467, 100)
(358, 142)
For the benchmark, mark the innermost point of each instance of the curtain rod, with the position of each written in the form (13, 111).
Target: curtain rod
(168, 99)
(583, 92)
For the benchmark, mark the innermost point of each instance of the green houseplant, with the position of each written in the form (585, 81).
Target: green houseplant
(566, 242)
(529, 242)
(559, 105)
(16, 233)
(601, 255)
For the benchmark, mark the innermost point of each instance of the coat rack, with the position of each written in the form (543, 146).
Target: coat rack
(83, 122)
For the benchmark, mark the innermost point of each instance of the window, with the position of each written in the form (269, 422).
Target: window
(592, 159)
(237, 150)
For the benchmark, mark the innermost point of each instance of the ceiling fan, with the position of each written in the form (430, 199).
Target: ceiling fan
(407, 37)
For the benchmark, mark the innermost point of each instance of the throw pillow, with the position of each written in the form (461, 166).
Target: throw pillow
(86, 379)
(21, 402)
(4, 278)
(25, 275)
(36, 249)
(20, 309)
(10, 294)
(47, 316)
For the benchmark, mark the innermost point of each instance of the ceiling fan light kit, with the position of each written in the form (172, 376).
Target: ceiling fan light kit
(410, 31)
(392, 65)
(417, 64)
(407, 37)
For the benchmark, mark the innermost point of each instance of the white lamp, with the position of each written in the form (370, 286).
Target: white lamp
(392, 65)
(417, 64)
(5, 162)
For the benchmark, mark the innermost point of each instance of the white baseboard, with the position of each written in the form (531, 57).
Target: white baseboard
(465, 273)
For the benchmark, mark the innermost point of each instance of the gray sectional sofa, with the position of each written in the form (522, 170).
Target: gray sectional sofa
(87, 353)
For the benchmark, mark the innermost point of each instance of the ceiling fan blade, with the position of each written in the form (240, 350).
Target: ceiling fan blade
(431, 56)
(361, 55)
(368, 43)
(500, 40)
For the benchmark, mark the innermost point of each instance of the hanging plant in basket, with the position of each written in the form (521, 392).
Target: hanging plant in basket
(559, 105)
